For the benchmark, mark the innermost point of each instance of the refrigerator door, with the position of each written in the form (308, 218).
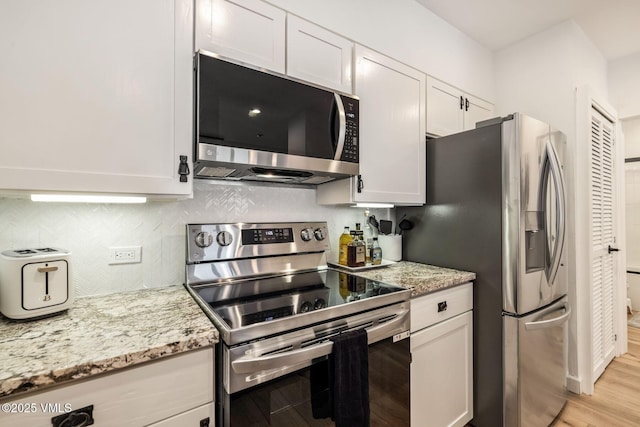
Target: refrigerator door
(535, 215)
(534, 365)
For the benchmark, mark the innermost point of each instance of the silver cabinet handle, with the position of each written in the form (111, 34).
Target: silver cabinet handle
(550, 323)
(343, 127)
(47, 269)
(294, 357)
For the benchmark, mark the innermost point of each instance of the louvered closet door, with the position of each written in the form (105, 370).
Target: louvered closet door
(602, 235)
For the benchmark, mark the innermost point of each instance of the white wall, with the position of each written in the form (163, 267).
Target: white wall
(159, 227)
(408, 32)
(539, 76)
(624, 85)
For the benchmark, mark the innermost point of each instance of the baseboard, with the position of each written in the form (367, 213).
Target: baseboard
(574, 385)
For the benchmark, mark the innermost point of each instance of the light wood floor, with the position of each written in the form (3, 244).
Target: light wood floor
(616, 398)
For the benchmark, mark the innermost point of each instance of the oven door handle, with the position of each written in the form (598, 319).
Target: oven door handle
(247, 365)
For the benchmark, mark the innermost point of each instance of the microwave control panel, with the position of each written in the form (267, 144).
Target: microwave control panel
(350, 151)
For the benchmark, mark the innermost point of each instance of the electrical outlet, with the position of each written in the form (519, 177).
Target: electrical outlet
(125, 254)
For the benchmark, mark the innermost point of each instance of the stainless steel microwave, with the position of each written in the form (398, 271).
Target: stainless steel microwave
(254, 125)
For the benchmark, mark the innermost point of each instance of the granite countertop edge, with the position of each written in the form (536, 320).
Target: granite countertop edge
(421, 279)
(16, 386)
(31, 373)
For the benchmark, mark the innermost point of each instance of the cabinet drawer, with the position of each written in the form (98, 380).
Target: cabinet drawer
(134, 397)
(442, 305)
(192, 418)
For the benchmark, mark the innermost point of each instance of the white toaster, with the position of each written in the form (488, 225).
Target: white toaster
(35, 282)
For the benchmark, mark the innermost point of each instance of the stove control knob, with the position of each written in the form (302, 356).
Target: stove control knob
(305, 307)
(319, 234)
(319, 303)
(224, 238)
(204, 239)
(305, 234)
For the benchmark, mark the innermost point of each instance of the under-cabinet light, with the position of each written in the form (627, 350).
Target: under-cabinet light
(85, 198)
(373, 205)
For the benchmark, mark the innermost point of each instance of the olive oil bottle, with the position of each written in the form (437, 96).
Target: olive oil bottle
(345, 238)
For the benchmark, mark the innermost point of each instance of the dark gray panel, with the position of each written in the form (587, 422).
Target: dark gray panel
(460, 227)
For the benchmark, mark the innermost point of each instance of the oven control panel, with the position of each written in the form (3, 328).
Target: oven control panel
(261, 236)
(215, 242)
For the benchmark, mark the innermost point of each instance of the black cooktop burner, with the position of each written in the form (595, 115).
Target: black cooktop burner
(332, 289)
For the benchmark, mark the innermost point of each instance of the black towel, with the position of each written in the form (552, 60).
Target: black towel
(349, 374)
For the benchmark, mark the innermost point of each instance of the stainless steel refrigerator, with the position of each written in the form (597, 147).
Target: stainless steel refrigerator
(496, 205)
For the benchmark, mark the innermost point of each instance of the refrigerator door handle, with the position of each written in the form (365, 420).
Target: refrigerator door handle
(558, 182)
(549, 323)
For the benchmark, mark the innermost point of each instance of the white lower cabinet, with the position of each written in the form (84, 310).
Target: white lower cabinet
(442, 358)
(173, 392)
(194, 417)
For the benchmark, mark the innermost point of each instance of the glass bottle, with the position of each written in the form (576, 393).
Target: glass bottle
(361, 252)
(345, 238)
(352, 251)
(359, 258)
(376, 252)
(368, 241)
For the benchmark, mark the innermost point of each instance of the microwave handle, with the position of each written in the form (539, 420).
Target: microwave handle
(342, 129)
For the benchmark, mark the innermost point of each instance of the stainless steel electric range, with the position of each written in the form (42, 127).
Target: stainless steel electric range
(277, 305)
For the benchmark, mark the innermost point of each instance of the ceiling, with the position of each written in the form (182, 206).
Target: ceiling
(612, 25)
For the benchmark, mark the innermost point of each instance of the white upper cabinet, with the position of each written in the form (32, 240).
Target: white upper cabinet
(450, 110)
(318, 56)
(96, 96)
(249, 31)
(392, 135)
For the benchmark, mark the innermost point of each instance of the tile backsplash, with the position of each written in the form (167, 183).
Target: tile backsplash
(88, 230)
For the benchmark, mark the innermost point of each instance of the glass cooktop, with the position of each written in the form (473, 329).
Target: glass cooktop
(326, 293)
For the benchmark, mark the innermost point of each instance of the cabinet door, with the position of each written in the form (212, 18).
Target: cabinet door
(96, 96)
(392, 132)
(193, 418)
(136, 396)
(476, 110)
(318, 56)
(250, 31)
(445, 114)
(442, 373)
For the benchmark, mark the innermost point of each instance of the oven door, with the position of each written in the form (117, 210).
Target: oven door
(290, 387)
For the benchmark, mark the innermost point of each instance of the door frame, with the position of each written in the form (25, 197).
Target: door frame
(586, 100)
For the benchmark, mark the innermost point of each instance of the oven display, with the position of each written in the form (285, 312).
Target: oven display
(267, 235)
(266, 315)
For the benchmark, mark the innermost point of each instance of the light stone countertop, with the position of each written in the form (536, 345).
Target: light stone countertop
(422, 279)
(100, 334)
